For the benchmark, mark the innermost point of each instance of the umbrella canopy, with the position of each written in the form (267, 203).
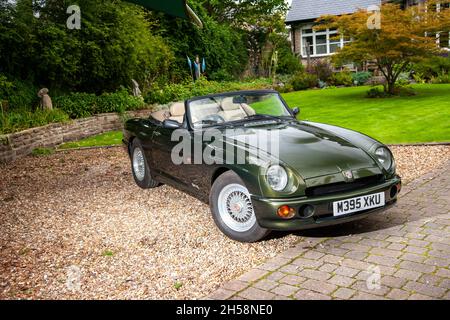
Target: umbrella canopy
(176, 8)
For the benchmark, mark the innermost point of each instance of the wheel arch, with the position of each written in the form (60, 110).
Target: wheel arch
(218, 172)
(248, 178)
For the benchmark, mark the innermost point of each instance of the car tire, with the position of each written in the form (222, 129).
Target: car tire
(232, 209)
(140, 168)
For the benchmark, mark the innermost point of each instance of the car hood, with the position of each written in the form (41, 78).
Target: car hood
(308, 149)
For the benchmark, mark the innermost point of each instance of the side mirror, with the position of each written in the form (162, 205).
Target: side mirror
(171, 124)
(296, 111)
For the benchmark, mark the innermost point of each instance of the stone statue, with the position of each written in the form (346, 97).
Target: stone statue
(46, 101)
(136, 91)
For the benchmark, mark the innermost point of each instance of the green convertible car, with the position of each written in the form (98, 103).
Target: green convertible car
(258, 167)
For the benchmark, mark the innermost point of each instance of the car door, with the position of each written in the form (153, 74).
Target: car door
(161, 161)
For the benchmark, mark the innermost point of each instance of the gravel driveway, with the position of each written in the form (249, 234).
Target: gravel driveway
(74, 226)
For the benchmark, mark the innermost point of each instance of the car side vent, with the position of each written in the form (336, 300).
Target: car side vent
(340, 187)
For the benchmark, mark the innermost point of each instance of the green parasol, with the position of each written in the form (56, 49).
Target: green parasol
(176, 8)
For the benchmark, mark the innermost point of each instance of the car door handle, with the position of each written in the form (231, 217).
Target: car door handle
(156, 133)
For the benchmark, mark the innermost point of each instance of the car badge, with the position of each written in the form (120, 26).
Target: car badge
(348, 175)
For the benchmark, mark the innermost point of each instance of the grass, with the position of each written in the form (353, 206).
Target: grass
(42, 152)
(106, 139)
(424, 117)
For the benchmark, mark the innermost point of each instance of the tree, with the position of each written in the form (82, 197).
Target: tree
(113, 46)
(406, 36)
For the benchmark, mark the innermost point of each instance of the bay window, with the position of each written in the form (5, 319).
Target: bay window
(320, 43)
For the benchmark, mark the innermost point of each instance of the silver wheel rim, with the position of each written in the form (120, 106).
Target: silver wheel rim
(138, 164)
(236, 209)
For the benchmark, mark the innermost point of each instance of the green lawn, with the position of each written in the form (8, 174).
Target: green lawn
(105, 139)
(421, 118)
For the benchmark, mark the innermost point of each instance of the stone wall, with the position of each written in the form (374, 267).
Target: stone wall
(16, 145)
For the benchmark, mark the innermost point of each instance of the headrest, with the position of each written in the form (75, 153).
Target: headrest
(177, 109)
(229, 105)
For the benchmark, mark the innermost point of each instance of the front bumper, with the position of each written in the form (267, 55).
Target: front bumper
(266, 209)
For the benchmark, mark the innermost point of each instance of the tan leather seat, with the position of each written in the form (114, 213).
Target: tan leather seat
(177, 111)
(232, 111)
(161, 115)
(248, 110)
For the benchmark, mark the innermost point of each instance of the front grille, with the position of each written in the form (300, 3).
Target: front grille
(340, 187)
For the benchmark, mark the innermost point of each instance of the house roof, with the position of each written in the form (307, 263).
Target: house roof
(313, 9)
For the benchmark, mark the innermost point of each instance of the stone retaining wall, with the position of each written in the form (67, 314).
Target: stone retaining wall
(16, 145)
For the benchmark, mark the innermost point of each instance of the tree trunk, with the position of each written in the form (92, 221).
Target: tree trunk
(391, 87)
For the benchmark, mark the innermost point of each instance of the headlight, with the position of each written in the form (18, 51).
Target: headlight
(277, 178)
(384, 157)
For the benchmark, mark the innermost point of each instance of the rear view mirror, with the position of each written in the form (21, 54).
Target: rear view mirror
(296, 111)
(240, 100)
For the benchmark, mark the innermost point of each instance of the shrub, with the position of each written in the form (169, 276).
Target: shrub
(178, 92)
(322, 69)
(376, 93)
(18, 94)
(82, 105)
(403, 79)
(441, 79)
(361, 78)
(18, 120)
(432, 67)
(343, 78)
(303, 81)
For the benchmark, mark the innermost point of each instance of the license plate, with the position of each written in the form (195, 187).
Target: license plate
(347, 206)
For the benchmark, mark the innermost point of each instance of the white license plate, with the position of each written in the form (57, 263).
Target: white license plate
(347, 206)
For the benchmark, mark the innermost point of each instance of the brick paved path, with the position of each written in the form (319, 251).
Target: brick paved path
(403, 253)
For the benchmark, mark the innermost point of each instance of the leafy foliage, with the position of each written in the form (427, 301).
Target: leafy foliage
(18, 120)
(303, 81)
(180, 92)
(343, 78)
(81, 105)
(361, 78)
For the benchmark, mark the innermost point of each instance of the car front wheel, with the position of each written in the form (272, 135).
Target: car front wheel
(232, 209)
(140, 168)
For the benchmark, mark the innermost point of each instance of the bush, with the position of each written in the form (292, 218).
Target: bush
(82, 105)
(322, 69)
(179, 92)
(343, 78)
(441, 79)
(403, 91)
(361, 78)
(303, 81)
(432, 67)
(403, 79)
(18, 120)
(376, 93)
(18, 94)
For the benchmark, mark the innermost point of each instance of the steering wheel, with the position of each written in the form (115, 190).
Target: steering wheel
(214, 117)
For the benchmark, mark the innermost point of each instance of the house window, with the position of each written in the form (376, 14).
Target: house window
(444, 40)
(320, 43)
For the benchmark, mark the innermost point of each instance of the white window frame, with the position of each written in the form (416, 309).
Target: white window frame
(329, 34)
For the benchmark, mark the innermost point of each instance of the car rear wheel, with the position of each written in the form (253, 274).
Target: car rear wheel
(232, 209)
(139, 166)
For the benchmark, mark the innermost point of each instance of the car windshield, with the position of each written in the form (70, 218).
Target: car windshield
(223, 109)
